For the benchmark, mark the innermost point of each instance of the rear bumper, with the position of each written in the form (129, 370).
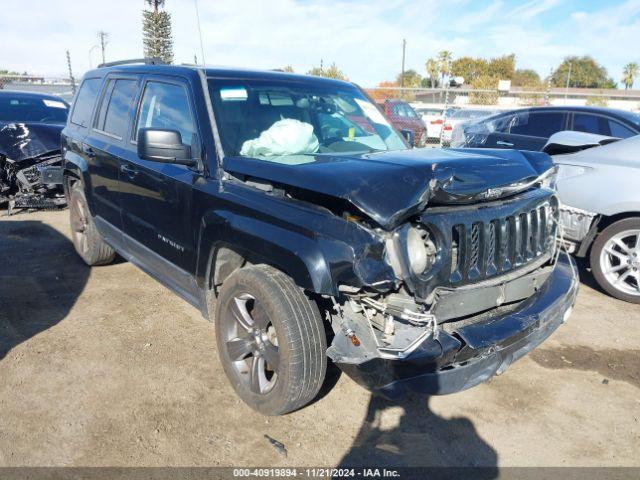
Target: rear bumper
(447, 364)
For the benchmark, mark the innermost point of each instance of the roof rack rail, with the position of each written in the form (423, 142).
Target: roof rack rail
(145, 61)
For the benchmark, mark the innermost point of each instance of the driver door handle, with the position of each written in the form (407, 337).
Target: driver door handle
(504, 144)
(128, 169)
(88, 151)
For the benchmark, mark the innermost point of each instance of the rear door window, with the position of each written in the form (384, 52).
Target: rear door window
(113, 117)
(166, 106)
(84, 102)
(584, 122)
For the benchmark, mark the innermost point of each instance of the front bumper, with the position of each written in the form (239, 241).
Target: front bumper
(52, 175)
(447, 363)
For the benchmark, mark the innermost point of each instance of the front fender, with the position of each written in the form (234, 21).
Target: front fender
(293, 253)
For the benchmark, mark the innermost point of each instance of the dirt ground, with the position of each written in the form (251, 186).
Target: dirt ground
(106, 367)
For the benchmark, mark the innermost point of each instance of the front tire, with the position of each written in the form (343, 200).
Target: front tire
(615, 260)
(271, 340)
(86, 239)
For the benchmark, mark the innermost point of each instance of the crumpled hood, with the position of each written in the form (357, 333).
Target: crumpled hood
(390, 186)
(21, 141)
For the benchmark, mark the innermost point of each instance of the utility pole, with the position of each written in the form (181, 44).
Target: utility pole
(404, 48)
(566, 90)
(547, 100)
(199, 31)
(73, 80)
(155, 4)
(103, 36)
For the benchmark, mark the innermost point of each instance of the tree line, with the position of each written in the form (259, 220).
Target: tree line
(483, 73)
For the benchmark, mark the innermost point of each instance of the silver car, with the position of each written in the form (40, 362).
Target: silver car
(599, 189)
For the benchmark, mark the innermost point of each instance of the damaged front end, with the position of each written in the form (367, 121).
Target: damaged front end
(444, 262)
(482, 285)
(30, 167)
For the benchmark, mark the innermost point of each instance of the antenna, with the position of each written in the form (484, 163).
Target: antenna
(195, 2)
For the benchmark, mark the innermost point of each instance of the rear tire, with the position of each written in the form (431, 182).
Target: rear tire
(86, 239)
(615, 259)
(271, 340)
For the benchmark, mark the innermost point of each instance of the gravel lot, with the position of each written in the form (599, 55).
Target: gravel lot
(106, 367)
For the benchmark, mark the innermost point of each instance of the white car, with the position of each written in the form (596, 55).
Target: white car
(433, 118)
(597, 184)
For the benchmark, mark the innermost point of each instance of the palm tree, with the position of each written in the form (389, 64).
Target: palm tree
(629, 74)
(444, 62)
(432, 71)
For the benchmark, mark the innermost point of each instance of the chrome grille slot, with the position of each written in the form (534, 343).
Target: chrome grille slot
(488, 248)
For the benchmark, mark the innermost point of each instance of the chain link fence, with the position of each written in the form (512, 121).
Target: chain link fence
(439, 110)
(61, 87)
(436, 111)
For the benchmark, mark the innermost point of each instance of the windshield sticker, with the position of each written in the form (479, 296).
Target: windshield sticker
(233, 94)
(54, 104)
(372, 112)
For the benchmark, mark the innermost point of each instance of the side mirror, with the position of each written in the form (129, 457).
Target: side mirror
(408, 136)
(164, 146)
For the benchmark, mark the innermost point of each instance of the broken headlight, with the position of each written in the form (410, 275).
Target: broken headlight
(549, 178)
(421, 250)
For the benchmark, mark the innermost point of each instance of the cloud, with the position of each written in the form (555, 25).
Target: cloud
(363, 38)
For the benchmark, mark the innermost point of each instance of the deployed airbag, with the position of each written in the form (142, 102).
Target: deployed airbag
(284, 137)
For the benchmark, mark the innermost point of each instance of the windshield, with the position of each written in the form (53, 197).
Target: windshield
(22, 108)
(276, 119)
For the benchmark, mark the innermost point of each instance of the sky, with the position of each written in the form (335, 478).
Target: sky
(363, 37)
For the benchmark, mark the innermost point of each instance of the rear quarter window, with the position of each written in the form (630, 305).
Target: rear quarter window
(84, 102)
(620, 131)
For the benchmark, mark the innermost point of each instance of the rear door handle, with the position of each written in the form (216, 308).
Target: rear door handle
(88, 151)
(504, 144)
(128, 169)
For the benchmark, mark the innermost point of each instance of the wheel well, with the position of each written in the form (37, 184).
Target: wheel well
(70, 179)
(224, 262)
(606, 221)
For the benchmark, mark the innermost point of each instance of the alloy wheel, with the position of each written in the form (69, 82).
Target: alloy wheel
(620, 262)
(251, 342)
(79, 223)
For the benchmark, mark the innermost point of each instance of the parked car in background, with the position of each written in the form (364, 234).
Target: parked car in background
(598, 185)
(458, 117)
(262, 199)
(403, 117)
(530, 128)
(433, 118)
(30, 126)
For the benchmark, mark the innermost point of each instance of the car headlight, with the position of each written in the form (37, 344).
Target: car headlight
(421, 250)
(550, 179)
(569, 171)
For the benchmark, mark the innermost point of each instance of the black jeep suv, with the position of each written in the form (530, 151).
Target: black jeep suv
(290, 212)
